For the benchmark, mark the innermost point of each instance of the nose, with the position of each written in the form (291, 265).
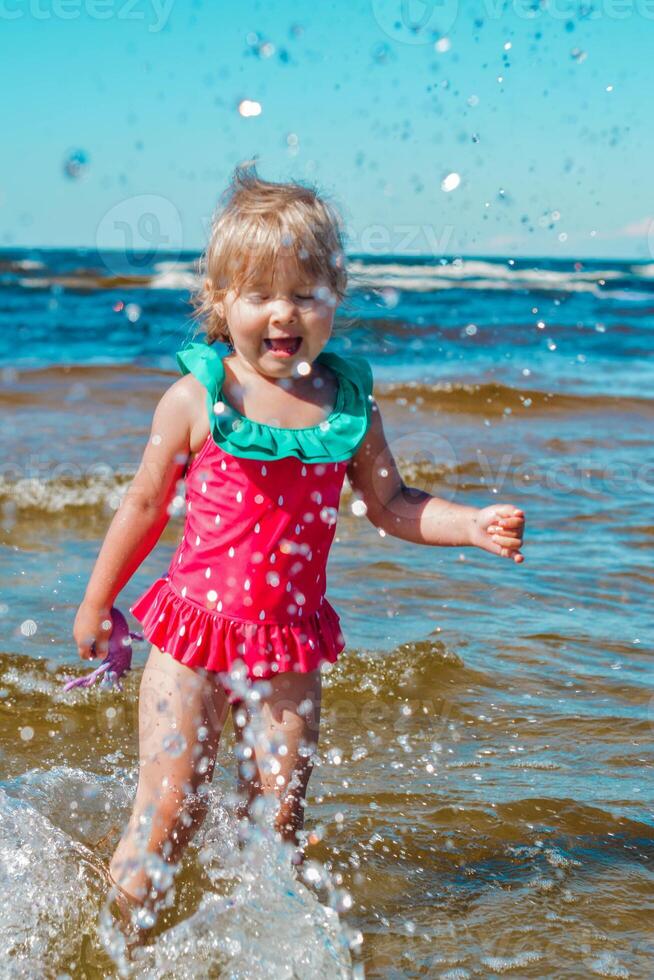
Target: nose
(283, 311)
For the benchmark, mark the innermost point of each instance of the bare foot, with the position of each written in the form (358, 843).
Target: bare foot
(122, 907)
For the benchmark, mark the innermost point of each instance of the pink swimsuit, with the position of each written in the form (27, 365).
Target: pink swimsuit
(247, 581)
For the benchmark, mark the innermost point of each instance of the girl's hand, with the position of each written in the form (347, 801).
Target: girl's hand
(92, 624)
(499, 529)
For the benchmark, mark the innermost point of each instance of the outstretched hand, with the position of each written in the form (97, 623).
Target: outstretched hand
(499, 529)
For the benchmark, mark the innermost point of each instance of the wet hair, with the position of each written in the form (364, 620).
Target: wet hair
(256, 223)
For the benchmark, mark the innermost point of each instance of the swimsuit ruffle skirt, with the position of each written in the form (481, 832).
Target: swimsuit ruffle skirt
(247, 581)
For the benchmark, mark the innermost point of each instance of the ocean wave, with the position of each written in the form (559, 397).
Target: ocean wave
(479, 275)
(630, 282)
(40, 385)
(497, 399)
(102, 491)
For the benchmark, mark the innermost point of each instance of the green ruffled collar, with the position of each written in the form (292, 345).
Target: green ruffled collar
(334, 440)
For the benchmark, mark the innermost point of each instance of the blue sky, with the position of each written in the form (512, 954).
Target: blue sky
(375, 101)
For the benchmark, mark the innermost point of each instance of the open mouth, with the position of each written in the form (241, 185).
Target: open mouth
(282, 346)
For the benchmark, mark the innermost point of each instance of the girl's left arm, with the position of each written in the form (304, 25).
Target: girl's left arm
(414, 515)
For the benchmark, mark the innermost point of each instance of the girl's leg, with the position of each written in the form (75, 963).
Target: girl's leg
(181, 715)
(288, 729)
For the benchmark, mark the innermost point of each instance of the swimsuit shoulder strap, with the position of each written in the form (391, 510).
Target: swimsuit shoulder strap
(356, 369)
(205, 363)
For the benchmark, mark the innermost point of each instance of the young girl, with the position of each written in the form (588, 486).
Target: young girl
(263, 438)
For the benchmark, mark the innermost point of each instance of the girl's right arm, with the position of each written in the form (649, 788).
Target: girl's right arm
(140, 518)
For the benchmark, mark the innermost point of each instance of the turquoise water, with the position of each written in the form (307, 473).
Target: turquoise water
(491, 809)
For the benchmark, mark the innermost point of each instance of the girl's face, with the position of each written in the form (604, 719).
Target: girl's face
(277, 322)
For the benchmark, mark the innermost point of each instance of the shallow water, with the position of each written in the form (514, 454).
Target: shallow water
(484, 795)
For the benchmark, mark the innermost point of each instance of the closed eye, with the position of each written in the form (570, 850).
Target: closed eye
(262, 298)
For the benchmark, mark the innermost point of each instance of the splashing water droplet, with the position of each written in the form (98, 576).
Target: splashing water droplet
(133, 312)
(328, 515)
(248, 108)
(76, 164)
(174, 744)
(450, 182)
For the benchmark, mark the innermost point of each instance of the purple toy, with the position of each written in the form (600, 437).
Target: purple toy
(119, 657)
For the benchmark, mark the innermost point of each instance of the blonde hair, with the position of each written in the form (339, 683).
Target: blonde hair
(256, 222)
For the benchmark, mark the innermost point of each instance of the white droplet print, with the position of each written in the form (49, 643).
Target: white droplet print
(246, 585)
(199, 641)
(239, 497)
(182, 630)
(220, 605)
(223, 464)
(300, 598)
(272, 578)
(212, 595)
(297, 528)
(303, 471)
(207, 573)
(204, 488)
(257, 527)
(264, 470)
(184, 590)
(217, 519)
(280, 500)
(197, 539)
(259, 498)
(231, 552)
(262, 614)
